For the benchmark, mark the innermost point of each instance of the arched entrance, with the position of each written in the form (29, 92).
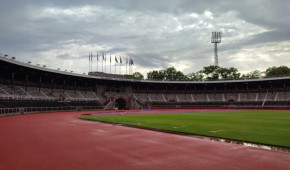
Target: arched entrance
(120, 103)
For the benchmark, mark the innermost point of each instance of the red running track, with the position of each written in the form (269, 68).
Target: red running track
(62, 141)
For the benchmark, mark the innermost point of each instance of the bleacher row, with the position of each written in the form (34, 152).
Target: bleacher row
(265, 98)
(208, 97)
(18, 92)
(21, 96)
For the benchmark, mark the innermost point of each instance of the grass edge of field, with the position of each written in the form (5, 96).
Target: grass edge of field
(172, 131)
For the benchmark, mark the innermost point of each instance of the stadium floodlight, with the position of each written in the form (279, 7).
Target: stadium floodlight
(216, 38)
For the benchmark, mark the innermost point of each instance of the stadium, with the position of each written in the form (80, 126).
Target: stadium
(61, 136)
(34, 88)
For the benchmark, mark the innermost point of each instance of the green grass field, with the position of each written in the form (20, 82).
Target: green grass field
(265, 127)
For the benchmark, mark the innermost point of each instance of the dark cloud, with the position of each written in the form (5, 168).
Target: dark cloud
(271, 36)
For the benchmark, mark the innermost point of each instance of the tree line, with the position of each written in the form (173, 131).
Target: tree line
(211, 72)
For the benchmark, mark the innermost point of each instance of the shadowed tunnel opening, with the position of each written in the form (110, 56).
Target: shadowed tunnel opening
(120, 104)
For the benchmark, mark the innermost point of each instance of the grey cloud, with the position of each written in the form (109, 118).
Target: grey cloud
(271, 36)
(145, 30)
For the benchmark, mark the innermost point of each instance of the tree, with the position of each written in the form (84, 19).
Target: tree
(228, 73)
(137, 76)
(198, 76)
(169, 74)
(211, 72)
(252, 75)
(155, 75)
(180, 76)
(172, 74)
(278, 71)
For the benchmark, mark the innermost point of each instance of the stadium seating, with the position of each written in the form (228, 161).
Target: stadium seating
(238, 99)
(20, 96)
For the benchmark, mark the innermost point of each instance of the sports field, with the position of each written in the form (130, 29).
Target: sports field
(257, 126)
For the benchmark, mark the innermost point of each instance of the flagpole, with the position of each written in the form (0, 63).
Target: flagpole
(97, 61)
(126, 63)
(102, 63)
(115, 64)
(120, 65)
(110, 64)
(132, 67)
(92, 62)
(105, 62)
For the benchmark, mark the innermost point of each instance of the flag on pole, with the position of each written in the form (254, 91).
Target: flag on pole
(131, 62)
(110, 59)
(103, 56)
(120, 60)
(91, 57)
(97, 56)
(116, 59)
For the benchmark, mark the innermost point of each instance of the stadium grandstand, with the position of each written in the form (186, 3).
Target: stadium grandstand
(29, 88)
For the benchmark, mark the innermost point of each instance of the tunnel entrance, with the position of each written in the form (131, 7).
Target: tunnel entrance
(120, 104)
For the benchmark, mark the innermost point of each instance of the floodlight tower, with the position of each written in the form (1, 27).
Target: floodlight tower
(216, 38)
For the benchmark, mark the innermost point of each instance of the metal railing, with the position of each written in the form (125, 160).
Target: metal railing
(26, 97)
(24, 110)
(218, 106)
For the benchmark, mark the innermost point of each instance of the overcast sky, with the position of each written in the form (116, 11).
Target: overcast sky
(156, 33)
